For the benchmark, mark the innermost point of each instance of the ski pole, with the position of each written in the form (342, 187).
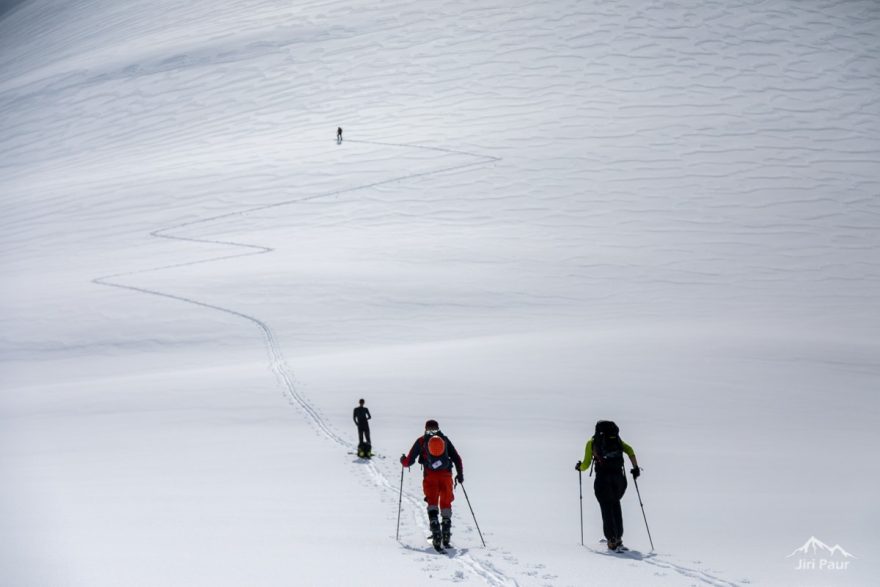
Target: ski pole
(635, 480)
(472, 512)
(581, 490)
(399, 503)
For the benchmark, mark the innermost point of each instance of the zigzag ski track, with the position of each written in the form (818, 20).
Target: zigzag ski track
(485, 571)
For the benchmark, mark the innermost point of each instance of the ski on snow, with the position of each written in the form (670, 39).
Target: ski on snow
(619, 550)
(373, 455)
(447, 550)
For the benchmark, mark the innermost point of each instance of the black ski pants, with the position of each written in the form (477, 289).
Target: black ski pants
(609, 488)
(363, 431)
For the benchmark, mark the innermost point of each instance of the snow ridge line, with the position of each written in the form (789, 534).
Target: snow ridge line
(278, 365)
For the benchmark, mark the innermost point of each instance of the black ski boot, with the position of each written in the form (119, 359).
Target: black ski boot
(436, 537)
(446, 531)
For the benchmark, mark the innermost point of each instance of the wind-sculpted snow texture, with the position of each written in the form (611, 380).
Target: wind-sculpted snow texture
(542, 214)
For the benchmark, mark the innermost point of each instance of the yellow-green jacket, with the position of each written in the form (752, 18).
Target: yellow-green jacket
(588, 453)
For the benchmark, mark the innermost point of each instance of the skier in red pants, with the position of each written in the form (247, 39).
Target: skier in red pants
(436, 454)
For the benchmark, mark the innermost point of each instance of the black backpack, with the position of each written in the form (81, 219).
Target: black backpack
(435, 463)
(607, 446)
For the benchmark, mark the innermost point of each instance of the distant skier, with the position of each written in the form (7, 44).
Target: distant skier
(605, 451)
(436, 454)
(361, 417)
(339, 135)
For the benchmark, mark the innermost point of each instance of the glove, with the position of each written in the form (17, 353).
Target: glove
(459, 478)
(403, 460)
(635, 472)
(577, 467)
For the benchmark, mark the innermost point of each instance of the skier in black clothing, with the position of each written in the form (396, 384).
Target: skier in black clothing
(604, 451)
(339, 135)
(361, 417)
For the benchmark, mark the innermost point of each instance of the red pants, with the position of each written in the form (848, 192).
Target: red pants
(438, 487)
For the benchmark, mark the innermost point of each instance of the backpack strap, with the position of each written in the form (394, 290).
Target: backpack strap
(423, 450)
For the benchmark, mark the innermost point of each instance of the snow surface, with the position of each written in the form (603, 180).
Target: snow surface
(542, 214)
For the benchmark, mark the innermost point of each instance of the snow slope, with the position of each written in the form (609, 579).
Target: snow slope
(542, 214)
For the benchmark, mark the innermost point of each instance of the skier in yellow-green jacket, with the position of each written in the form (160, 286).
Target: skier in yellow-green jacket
(604, 452)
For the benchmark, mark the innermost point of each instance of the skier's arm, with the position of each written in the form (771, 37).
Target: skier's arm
(369, 417)
(354, 415)
(456, 460)
(410, 458)
(588, 455)
(630, 453)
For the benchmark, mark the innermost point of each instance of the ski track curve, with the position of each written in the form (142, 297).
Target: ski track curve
(482, 569)
(656, 560)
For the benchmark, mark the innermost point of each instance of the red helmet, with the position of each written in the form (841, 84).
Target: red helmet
(436, 446)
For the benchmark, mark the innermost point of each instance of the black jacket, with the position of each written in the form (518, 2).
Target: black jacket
(361, 416)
